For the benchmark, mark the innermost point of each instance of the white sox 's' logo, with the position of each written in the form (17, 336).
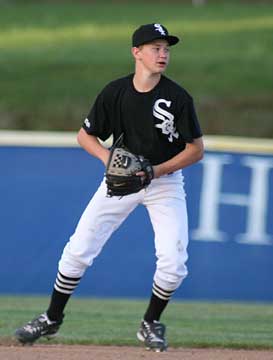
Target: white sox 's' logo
(167, 126)
(159, 28)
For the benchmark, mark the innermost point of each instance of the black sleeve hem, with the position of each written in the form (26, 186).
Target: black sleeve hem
(94, 133)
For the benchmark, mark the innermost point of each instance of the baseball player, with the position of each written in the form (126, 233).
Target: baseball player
(158, 121)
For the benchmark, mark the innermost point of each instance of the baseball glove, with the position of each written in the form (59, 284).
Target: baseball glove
(121, 169)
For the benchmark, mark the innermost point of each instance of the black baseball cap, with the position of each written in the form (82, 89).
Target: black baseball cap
(149, 32)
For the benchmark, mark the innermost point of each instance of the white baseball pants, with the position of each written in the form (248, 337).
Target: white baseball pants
(165, 201)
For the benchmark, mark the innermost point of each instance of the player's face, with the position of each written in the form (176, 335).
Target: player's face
(154, 56)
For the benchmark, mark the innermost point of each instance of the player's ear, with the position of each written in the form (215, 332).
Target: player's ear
(135, 52)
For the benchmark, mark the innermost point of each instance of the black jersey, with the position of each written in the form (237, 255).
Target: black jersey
(156, 124)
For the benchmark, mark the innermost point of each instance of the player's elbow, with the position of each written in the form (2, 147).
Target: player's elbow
(80, 136)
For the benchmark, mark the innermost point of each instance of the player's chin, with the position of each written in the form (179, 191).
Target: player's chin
(161, 67)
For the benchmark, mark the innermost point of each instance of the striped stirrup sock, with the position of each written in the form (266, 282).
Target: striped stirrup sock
(158, 302)
(161, 293)
(65, 284)
(63, 288)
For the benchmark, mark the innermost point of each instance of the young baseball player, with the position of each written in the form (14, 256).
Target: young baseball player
(158, 120)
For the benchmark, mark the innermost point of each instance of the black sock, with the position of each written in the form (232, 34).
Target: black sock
(63, 289)
(155, 309)
(158, 302)
(57, 305)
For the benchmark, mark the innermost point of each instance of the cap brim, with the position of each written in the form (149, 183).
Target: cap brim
(172, 40)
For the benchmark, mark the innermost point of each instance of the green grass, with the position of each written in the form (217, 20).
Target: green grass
(54, 58)
(114, 322)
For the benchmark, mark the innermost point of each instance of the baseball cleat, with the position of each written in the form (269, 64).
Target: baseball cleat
(152, 334)
(36, 328)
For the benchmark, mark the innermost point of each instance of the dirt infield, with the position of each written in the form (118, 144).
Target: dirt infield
(76, 352)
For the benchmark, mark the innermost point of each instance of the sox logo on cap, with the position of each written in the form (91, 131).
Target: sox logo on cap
(159, 28)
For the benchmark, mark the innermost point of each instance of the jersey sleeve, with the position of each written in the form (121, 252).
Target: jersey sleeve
(188, 125)
(98, 121)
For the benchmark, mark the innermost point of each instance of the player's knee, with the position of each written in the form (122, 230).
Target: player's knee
(171, 278)
(71, 263)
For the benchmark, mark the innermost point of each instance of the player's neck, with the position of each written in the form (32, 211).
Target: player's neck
(144, 82)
